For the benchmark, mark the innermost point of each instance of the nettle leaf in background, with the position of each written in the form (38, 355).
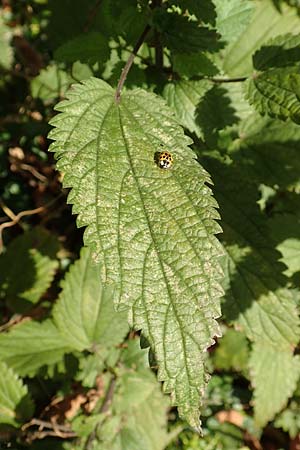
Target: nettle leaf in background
(182, 35)
(276, 93)
(285, 230)
(51, 83)
(205, 11)
(281, 51)
(30, 260)
(233, 16)
(154, 229)
(275, 374)
(30, 345)
(214, 112)
(137, 413)
(87, 48)
(195, 64)
(257, 299)
(15, 403)
(84, 312)
(266, 23)
(183, 97)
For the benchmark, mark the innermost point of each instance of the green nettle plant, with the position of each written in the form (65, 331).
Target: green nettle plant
(175, 127)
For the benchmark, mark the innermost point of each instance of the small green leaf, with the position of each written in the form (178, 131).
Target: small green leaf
(152, 228)
(285, 230)
(84, 312)
(87, 48)
(276, 93)
(274, 375)
(50, 84)
(232, 351)
(289, 419)
(31, 345)
(15, 403)
(28, 268)
(281, 51)
(183, 97)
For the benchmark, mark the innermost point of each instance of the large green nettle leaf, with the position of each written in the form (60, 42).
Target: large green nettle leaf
(276, 93)
(153, 228)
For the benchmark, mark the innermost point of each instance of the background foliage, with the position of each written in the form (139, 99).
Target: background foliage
(217, 84)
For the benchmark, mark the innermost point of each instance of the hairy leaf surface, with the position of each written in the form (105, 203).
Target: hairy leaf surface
(84, 312)
(153, 228)
(15, 403)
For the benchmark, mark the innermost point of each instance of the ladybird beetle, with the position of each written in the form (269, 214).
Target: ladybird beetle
(164, 160)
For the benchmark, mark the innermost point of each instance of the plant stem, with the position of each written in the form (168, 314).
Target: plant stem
(159, 57)
(228, 80)
(129, 64)
(91, 15)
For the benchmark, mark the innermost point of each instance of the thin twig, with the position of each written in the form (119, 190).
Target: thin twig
(21, 214)
(91, 16)
(42, 434)
(7, 210)
(44, 424)
(105, 406)
(228, 80)
(129, 63)
(159, 56)
(33, 171)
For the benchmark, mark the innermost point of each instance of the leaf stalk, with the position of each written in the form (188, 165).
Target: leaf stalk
(129, 64)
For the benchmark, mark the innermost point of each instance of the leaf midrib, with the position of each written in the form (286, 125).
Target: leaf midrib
(156, 250)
